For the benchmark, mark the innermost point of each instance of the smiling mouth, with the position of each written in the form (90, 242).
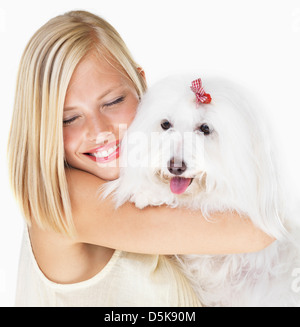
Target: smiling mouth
(105, 154)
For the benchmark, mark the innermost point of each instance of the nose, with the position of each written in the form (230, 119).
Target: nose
(96, 127)
(176, 167)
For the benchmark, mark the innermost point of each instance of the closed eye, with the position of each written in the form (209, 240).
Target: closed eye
(118, 100)
(69, 121)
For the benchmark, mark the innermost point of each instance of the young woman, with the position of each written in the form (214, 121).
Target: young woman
(77, 87)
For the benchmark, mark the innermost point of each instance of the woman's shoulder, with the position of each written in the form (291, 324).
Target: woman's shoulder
(63, 260)
(82, 184)
(75, 176)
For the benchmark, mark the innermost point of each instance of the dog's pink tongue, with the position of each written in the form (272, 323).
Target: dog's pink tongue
(178, 185)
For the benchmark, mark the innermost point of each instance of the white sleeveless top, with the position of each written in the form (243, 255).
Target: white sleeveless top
(128, 280)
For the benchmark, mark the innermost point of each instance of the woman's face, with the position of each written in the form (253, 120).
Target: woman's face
(100, 104)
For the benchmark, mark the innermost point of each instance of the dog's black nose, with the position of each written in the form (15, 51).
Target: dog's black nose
(176, 167)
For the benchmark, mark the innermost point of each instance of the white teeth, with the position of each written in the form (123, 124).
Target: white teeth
(111, 150)
(105, 153)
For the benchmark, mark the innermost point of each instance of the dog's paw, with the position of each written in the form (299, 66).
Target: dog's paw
(144, 199)
(140, 200)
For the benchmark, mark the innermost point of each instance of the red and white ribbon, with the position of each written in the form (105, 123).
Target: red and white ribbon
(201, 96)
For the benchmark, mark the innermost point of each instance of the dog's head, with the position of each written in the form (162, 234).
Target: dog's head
(218, 150)
(184, 142)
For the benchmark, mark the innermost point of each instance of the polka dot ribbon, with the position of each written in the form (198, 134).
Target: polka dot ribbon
(201, 96)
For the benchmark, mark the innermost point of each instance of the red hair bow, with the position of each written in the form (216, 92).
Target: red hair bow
(201, 96)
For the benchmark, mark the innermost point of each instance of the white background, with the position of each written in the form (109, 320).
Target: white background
(256, 42)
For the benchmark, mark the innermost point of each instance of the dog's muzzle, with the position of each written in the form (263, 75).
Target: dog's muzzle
(177, 183)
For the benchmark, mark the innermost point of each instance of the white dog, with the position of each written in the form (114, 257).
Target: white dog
(213, 152)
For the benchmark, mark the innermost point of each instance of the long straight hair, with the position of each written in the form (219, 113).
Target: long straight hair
(35, 147)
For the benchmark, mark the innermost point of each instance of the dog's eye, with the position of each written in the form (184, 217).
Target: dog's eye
(205, 129)
(165, 124)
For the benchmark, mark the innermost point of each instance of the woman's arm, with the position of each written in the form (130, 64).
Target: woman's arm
(156, 230)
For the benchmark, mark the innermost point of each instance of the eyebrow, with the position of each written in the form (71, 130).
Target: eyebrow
(69, 108)
(108, 91)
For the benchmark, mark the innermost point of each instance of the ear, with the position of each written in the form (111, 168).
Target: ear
(142, 73)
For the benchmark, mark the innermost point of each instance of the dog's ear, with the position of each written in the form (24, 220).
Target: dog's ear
(263, 157)
(249, 159)
(270, 193)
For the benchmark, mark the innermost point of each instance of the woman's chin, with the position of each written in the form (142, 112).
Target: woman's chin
(107, 173)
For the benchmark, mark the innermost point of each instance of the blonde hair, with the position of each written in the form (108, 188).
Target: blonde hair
(35, 146)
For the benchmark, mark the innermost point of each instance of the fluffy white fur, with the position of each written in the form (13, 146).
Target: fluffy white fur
(233, 168)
